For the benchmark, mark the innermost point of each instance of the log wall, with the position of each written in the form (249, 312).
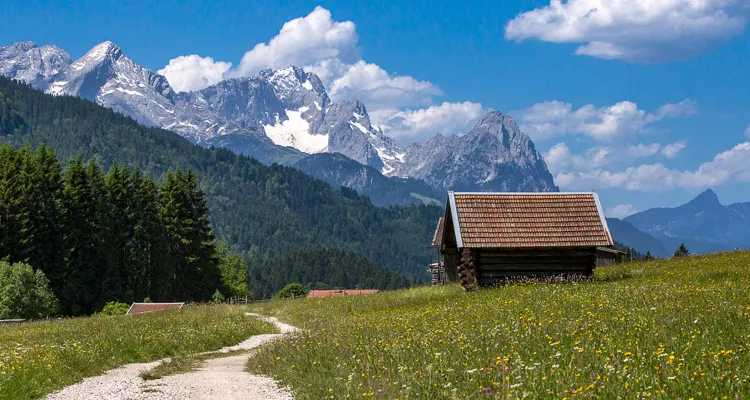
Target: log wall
(494, 266)
(450, 266)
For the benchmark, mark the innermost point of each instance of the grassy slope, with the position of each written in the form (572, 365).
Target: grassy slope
(38, 358)
(664, 329)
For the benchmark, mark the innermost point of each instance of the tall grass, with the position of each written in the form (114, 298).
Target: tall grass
(38, 358)
(665, 329)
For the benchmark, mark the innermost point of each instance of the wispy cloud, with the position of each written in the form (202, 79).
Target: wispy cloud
(620, 211)
(544, 121)
(728, 167)
(633, 30)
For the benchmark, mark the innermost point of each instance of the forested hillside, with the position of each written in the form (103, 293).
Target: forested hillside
(320, 268)
(103, 237)
(264, 211)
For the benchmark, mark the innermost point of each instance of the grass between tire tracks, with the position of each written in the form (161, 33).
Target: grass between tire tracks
(39, 358)
(185, 363)
(664, 329)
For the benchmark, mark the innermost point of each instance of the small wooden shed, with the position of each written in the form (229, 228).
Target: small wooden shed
(606, 256)
(493, 237)
(339, 292)
(143, 308)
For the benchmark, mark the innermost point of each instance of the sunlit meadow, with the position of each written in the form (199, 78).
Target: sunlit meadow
(663, 329)
(38, 358)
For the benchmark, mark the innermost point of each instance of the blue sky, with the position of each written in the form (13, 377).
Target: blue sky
(634, 99)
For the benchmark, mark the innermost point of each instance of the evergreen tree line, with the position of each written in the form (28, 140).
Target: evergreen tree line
(264, 211)
(108, 236)
(320, 268)
(632, 253)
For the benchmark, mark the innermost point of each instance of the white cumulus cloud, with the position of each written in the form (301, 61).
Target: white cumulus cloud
(416, 125)
(747, 131)
(621, 211)
(633, 30)
(378, 89)
(561, 160)
(671, 150)
(546, 120)
(730, 166)
(304, 41)
(193, 72)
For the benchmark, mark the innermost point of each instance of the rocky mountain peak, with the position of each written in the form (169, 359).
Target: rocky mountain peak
(105, 52)
(707, 197)
(33, 64)
(498, 124)
(21, 46)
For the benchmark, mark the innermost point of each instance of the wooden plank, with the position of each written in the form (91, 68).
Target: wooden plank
(527, 268)
(536, 253)
(560, 261)
(536, 272)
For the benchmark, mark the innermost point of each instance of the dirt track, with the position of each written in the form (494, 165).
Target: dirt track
(219, 378)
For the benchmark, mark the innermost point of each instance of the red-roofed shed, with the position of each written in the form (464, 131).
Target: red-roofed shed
(492, 237)
(143, 308)
(339, 292)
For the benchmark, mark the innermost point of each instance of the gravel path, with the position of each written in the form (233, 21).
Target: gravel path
(219, 378)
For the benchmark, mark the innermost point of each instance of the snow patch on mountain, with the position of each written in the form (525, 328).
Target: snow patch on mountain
(295, 132)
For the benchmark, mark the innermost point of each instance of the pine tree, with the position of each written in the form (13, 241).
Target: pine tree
(172, 217)
(50, 224)
(77, 292)
(98, 258)
(149, 241)
(193, 266)
(11, 203)
(27, 241)
(117, 231)
(681, 251)
(201, 249)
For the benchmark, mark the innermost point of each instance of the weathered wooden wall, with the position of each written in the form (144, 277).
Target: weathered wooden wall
(606, 258)
(493, 266)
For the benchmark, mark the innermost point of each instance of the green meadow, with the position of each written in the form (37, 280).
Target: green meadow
(41, 357)
(654, 330)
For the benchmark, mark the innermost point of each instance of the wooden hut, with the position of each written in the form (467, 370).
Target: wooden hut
(606, 256)
(314, 294)
(143, 308)
(493, 237)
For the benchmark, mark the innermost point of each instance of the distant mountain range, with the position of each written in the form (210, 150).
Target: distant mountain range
(286, 116)
(703, 224)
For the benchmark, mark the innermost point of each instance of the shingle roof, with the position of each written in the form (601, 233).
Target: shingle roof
(522, 220)
(328, 293)
(142, 308)
(437, 238)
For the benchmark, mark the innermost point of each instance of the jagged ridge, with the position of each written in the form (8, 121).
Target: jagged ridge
(287, 107)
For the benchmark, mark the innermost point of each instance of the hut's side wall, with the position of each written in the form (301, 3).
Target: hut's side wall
(450, 264)
(606, 258)
(498, 265)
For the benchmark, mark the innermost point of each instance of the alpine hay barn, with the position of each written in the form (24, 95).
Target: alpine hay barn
(489, 238)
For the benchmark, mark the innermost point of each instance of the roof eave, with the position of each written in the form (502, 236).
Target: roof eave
(603, 219)
(454, 218)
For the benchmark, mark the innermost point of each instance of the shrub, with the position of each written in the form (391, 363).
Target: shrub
(114, 308)
(292, 290)
(218, 297)
(24, 293)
